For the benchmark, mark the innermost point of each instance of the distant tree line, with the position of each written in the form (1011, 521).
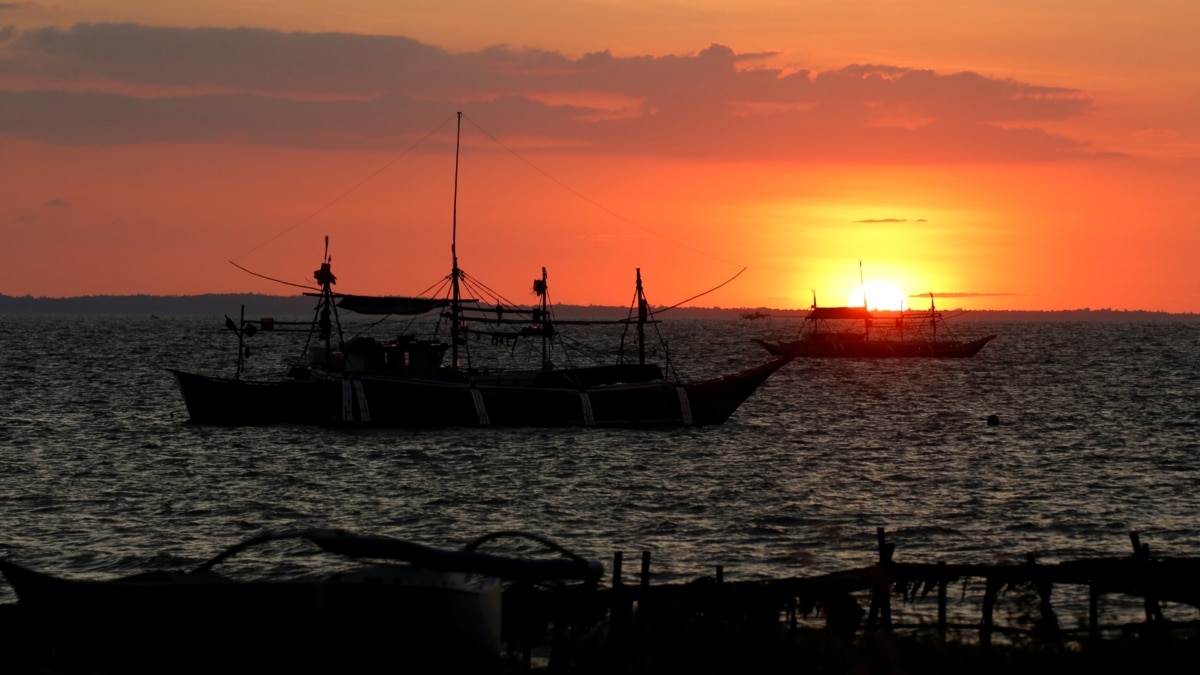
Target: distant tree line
(160, 305)
(258, 305)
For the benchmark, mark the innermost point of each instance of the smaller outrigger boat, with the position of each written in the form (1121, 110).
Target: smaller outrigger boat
(403, 605)
(856, 332)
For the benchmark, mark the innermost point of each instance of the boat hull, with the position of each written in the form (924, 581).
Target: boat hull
(412, 402)
(176, 622)
(875, 349)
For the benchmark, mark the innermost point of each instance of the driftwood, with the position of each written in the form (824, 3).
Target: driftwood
(780, 604)
(837, 622)
(712, 623)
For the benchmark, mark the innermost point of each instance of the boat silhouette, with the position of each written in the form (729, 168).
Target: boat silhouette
(423, 381)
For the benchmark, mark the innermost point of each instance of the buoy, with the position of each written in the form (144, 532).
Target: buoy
(993, 420)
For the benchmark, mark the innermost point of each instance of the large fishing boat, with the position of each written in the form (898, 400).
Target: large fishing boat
(857, 332)
(406, 381)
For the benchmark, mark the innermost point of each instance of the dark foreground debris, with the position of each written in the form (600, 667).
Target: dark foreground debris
(1101, 614)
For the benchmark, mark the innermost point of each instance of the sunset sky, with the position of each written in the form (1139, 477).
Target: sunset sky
(1027, 154)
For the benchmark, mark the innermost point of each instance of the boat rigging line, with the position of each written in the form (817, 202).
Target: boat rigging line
(278, 281)
(701, 295)
(351, 190)
(595, 203)
(457, 274)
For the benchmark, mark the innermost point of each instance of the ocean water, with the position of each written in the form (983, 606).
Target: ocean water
(102, 474)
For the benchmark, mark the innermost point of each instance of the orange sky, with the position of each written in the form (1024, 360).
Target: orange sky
(1027, 155)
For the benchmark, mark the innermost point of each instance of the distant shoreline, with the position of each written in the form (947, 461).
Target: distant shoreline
(218, 304)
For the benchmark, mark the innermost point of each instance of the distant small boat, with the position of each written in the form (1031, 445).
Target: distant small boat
(412, 604)
(756, 315)
(856, 332)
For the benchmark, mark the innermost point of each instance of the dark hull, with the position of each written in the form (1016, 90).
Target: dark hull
(176, 622)
(876, 349)
(411, 402)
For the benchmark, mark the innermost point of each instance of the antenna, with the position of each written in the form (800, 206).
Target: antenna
(454, 208)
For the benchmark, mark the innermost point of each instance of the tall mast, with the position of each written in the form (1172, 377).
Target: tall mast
(866, 308)
(455, 274)
(241, 331)
(542, 288)
(933, 317)
(643, 312)
(327, 308)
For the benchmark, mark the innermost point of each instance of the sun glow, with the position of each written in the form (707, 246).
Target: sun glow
(879, 295)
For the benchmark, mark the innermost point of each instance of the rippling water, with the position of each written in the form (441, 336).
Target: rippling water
(102, 475)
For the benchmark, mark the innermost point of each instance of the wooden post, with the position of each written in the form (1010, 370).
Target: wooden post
(719, 601)
(885, 549)
(1093, 611)
(1045, 588)
(644, 606)
(989, 606)
(560, 627)
(1141, 553)
(941, 600)
(883, 588)
(620, 609)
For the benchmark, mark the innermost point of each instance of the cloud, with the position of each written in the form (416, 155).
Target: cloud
(129, 83)
(57, 203)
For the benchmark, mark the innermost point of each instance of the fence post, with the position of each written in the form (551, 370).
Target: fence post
(989, 606)
(881, 599)
(941, 600)
(620, 610)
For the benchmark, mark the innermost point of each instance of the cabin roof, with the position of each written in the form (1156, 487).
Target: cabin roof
(365, 304)
(842, 313)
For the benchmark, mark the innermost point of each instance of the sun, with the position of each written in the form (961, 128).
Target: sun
(880, 295)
